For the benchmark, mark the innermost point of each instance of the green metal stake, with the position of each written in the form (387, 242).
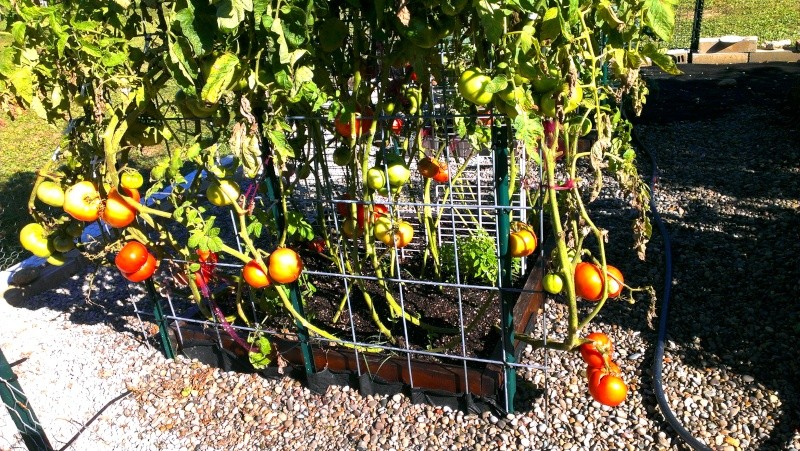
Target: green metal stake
(271, 185)
(20, 410)
(507, 299)
(158, 313)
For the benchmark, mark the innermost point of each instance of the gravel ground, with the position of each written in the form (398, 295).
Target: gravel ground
(728, 149)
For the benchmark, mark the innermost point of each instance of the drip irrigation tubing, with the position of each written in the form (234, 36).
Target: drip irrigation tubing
(658, 358)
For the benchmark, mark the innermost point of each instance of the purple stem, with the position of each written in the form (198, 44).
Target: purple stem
(229, 329)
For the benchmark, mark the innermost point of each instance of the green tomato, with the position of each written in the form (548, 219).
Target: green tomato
(57, 259)
(552, 283)
(342, 156)
(50, 193)
(63, 243)
(398, 175)
(75, 229)
(375, 178)
(472, 86)
(132, 179)
(34, 238)
(222, 192)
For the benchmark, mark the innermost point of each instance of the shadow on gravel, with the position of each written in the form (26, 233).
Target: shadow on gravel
(727, 140)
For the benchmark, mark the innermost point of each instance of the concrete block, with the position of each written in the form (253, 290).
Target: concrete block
(49, 278)
(720, 58)
(681, 56)
(772, 56)
(728, 44)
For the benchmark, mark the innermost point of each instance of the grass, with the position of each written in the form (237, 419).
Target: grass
(774, 20)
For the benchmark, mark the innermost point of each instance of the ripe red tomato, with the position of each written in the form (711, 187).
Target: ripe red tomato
(597, 350)
(428, 167)
(285, 265)
(116, 212)
(135, 262)
(82, 201)
(397, 126)
(608, 389)
(442, 176)
(255, 275)
(589, 281)
(317, 245)
(362, 126)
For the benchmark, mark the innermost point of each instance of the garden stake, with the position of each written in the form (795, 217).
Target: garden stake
(20, 410)
(507, 299)
(158, 314)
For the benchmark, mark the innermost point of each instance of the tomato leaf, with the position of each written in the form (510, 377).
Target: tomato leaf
(197, 25)
(660, 59)
(659, 16)
(260, 359)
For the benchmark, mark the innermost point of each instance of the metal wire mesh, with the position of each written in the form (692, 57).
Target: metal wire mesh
(20, 410)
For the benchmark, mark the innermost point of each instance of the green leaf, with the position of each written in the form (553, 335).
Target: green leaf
(659, 16)
(198, 25)
(492, 18)
(497, 84)
(260, 359)
(22, 81)
(222, 73)
(606, 12)
(18, 32)
(662, 60)
(230, 13)
(294, 25)
(551, 24)
(38, 108)
(114, 58)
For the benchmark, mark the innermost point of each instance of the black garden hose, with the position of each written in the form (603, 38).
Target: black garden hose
(658, 359)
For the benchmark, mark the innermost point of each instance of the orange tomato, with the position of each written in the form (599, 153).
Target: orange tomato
(116, 212)
(82, 201)
(285, 265)
(255, 275)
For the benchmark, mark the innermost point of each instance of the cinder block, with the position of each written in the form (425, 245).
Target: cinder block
(720, 58)
(681, 56)
(772, 56)
(728, 44)
(50, 278)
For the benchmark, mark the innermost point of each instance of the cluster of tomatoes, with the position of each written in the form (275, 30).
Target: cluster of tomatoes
(604, 376)
(83, 202)
(283, 266)
(391, 232)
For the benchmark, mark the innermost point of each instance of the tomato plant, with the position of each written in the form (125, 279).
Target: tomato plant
(274, 91)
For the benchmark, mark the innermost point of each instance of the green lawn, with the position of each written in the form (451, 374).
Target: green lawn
(774, 20)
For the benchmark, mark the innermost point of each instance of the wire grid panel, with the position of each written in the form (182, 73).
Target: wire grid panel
(389, 306)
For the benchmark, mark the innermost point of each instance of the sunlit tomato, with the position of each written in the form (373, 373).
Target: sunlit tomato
(50, 193)
(255, 275)
(597, 350)
(399, 236)
(615, 281)
(116, 212)
(285, 265)
(609, 367)
(375, 178)
(552, 283)
(33, 237)
(473, 84)
(131, 179)
(608, 389)
(82, 201)
(521, 243)
(135, 262)
(398, 173)
(223, 192)
(589, 281)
